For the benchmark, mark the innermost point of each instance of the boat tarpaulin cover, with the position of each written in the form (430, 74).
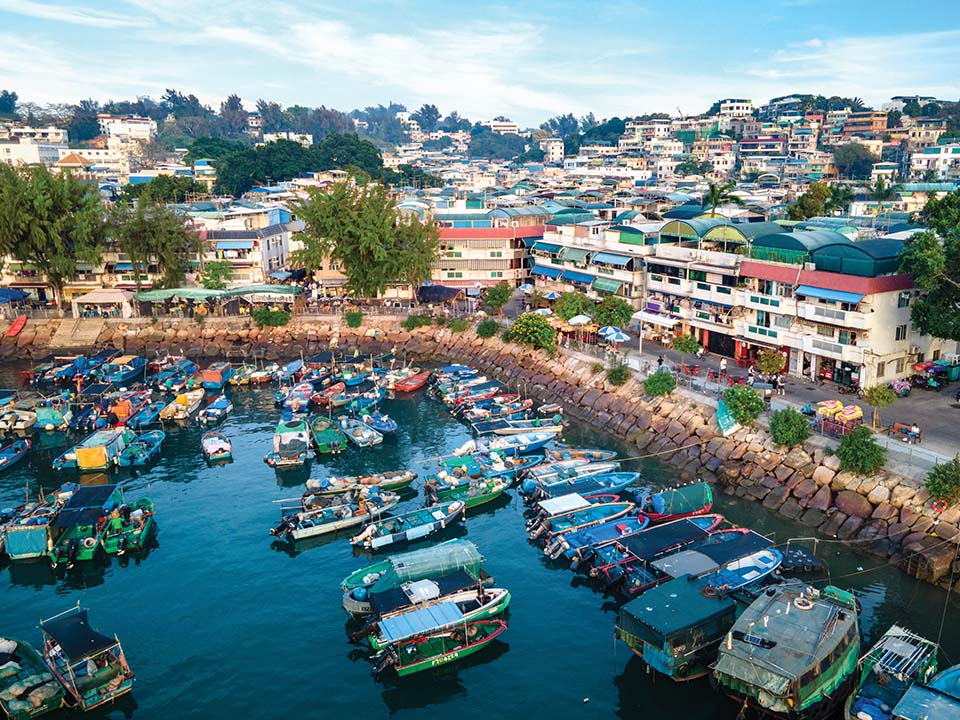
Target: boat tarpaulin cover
(429, 562)
(564, 503)
(395, 598)
(712, 555)
(420, 621)
(26, 541)
(671, 608)
(688, 498)
(924, 702)
(752, 673)
(653, 541)
(75, 636)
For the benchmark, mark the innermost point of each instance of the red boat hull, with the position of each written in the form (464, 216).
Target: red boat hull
(414, 382)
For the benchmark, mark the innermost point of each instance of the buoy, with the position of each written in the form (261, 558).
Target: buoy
(939, 505)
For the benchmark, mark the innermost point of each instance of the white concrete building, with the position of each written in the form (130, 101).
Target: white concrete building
(552, 150)
(305, 139)
(502, 127)
(733, 107)
(129, 127)
(942, 160)
(23, 151)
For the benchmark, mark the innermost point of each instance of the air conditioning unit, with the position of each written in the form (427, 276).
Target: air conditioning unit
(914, 349)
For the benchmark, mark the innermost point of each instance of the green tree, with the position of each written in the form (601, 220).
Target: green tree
(932, 257)
(52, 221)
(427, 117)
(215, 274)
(859, 452)
(212, 148)
(572, 303)
(854, 161)
(882, 192)
(151, 233)
(164, 189)
(613, 311)
(484, 143)
(789, 427)
(362, 229)
(686, 345)
(879, 397)
(487, 329)
(943, 481)
(538, 300)
(717, 195)
(8, 103)
(770, 362)
(811, 204)
(840, 198)
(535, 331)
(660, 383)
(744, 403)
(497, 296)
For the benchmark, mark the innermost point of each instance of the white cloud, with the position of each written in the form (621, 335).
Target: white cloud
(68, 14)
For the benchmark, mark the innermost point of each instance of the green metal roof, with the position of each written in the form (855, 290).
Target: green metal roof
(607, 285)
(803, 241)
(675, 606)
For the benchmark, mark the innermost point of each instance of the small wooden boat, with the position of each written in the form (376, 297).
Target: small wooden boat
(409, 527)
(72, 648)
(264, 375)
(430, 651)
(126, 404)
(323, 397)
(216, 412)
(516, 427)
(522, 444)
(291, 443)
(554, 525)
(359, 403)
(184, 383)
(351, 378)
(297, 400)
(123, 370)
(327, 436)
(242, 374)
(143, 450)
(397, 480)
(337, 513)
(129, 527)
(564, 452)
(183, 406)
(744, 571)
(18, 420)
(517, 410)
(674, 503)
(476, 492)
(27, 687)
(612, 482)
(16, 326)
(381, 422)
(217, 375)
(412, 383)
(483, 465)
(15, 451)
(358, 433)
(289, 372)
(26, 533)
(178, 370)
(216, 447)
(158, 363)
(579, 544)
(570, 469)
(98, 451)
(147, 415)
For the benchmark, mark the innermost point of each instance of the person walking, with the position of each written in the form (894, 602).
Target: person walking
(659, 363)
(723, 367)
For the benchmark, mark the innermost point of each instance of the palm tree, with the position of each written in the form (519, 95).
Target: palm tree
(856, 104)
(719, 195)
(840, 198)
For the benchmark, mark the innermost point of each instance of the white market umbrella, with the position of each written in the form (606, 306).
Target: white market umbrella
(552, 295)
(579, 320)
(617, 336)
(543, 311)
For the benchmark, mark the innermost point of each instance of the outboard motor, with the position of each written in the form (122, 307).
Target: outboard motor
(385, 660)
(122, 544)
(73, 550)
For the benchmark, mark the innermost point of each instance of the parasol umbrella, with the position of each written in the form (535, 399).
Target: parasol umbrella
(543, 311)
(526, 287)
(617, 336)
(607, 329)
(552, 295)
(579, 320)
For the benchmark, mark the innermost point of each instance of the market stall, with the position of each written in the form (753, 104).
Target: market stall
(107, 302)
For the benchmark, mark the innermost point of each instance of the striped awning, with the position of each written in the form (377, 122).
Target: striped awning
(611, 259)
(547, 247)
(607, 285)
(545, 271)
(574, 255)
(577, 277)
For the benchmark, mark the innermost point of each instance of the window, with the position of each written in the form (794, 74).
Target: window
(763, 318)
(847, 337)
(496, 253)
(496, 274)
(881, 370)
(903, 300)
(825, 331)
(901, 332)
(783, 321)
(454, 274)
(703, 286)
(901, 362)
(936, 355)
(700, 275)
(454, 254)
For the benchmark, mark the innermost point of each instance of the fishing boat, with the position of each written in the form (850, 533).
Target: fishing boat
(437, 649)
(424, 608)
(792, 653)
(216, 447)
(181, 369)
(27, 687)
(412, 383)
(554, 525)
(352, 378)
(291, 443)
(50, 418)
(183, 406)
(18, 420)
(359, 403)
(79, 527)
(335, 513)
(898, 660)
(264, 375)
(216, 375)
(12, 453)
(25, 534)
(381, 422)
(327, 436)
(939, 698)
(184, 383)
(516, 427)
(608, 560)
(474, 493)
(358, 433)
(64, 369)
(242, 374)
(496, 402)
(98, 451)
(565, 452)
(612, 482)
(521, 444)
(216, 412)
(147, 415)
(322, 398)
(297, 400)
(408, 527)
(125, 404)
(289, 372)
(129, 527)
(123, 370)
(674, 503)
(455, 565)
(580, 544)
(143, 450)
(462, 469)
(397, 480)
(158, 363)
(517, 410)
(16, 326)
(570, 470)
(91, 666)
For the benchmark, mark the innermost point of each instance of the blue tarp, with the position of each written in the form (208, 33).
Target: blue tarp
(11, 295)
(578, 277)
(420, 621)
(921, 702)
(280, 274)
(24, 543)
(832, 295)
(611, 259)
(123, 267)
(545, 271)
(234, 244)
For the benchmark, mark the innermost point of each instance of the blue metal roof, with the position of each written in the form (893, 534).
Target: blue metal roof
(549, 272)
(572, 276)
(547, 247)
(832, 295)
(234, 244)
(420, 621)
(611, 259)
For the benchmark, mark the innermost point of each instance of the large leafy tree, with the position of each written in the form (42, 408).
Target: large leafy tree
(151, 233)
(8, 103)
(573, 303)
(497, 297)
(52, 221)
(932, 257)
(854, 161)
(361, 228)
(165, 189)
(427, 117)
(233, 118)
(811, 204)
(613, 311)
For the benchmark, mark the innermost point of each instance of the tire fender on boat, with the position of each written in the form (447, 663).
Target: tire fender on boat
(89, 543)
(802, 603)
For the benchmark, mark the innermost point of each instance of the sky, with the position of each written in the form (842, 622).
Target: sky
(528, 60)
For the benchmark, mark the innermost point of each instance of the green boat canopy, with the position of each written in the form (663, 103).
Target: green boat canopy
(189, 293)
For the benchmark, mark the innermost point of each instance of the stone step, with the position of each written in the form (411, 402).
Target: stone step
(80, 333)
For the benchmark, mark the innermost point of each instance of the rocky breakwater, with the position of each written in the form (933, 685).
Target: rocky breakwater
(885, 514)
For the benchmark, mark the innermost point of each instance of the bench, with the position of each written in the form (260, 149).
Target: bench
(903, 429)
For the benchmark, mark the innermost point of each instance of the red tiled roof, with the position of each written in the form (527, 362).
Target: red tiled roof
(826, 280)
(500, 233)
(73, 159)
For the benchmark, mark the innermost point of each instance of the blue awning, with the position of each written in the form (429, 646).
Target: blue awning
(831, 295)
(234, 244)
(611, 259)
(280, 274)
(123, 267)
(578, 277)
(546, 247)
(545, 271)
(529, 241)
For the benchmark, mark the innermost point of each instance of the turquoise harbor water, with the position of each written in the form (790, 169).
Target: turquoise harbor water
(218, 622)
